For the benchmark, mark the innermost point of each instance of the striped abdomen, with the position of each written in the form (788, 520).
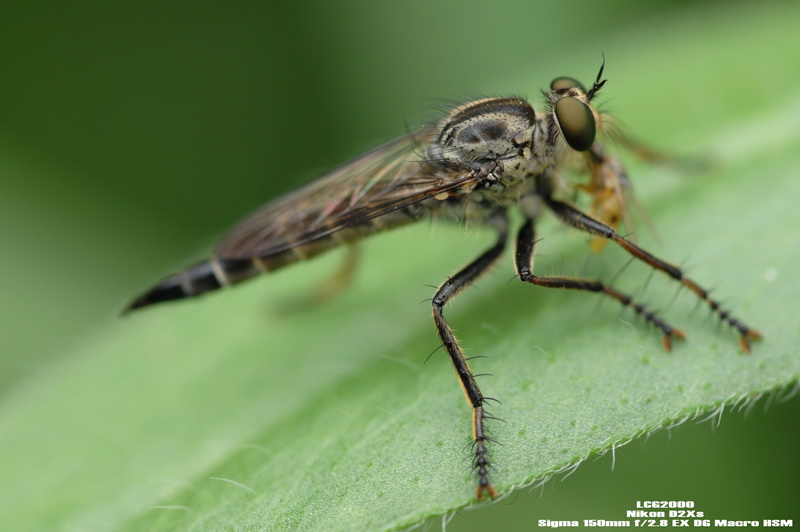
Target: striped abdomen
(218, 272)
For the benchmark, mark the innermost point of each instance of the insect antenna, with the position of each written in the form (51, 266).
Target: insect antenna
(597, 82)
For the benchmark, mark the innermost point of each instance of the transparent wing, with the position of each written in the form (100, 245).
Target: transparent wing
(390, 177)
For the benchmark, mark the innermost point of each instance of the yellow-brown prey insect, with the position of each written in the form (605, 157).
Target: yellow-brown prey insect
(482, 159)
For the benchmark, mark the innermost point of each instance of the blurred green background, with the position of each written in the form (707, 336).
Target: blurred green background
(132, 136)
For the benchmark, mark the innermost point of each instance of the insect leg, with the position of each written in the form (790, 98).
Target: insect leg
(576, 218)
(332, 286)
(448, 290)
(341, 278)
(524, 264)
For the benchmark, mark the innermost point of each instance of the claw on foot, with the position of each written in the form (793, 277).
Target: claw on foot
(666, 340)
(748, 336)
(487, 489)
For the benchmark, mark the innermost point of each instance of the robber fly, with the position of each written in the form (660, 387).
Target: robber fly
(477, 162)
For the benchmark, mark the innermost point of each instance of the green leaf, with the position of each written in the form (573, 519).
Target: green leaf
(236, 412)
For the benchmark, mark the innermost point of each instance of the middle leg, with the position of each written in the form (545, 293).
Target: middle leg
(526, 240)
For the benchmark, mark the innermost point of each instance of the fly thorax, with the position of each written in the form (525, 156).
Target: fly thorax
(493, 135)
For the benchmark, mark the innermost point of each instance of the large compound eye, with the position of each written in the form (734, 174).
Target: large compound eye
(565, 82)
(576, 121)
